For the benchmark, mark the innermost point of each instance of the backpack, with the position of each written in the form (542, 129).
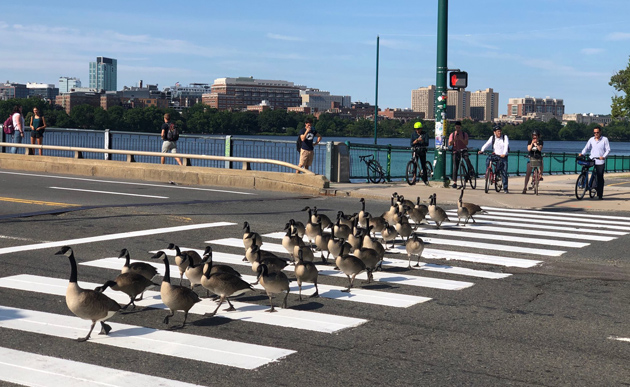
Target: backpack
(8, 125)
(502, 138)
(298, 143)
(172, 134)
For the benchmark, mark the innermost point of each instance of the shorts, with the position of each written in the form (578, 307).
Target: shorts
(37, 133)
(169, 146)
(306, 158)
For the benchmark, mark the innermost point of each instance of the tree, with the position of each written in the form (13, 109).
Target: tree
(621, 103)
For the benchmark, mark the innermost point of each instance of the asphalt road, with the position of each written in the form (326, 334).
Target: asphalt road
(558, 317)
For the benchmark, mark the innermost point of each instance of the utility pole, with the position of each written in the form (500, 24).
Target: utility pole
(439, 170)
(376, 99)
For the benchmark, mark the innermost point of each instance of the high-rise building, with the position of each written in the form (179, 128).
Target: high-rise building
(484, 105)
(67, 83)
(423, 100)
(11, 90)
(527, 105)
(103, 74)
(44, 90)
(238, 93)
(322, 100)
(457, 104)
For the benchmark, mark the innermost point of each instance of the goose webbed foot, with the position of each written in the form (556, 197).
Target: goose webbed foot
(211, 314)
(272, 310)
(82, 339)
(230, 309)
(105, 329)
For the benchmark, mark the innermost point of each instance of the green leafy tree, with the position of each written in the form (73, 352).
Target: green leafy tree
(621, 103)
(83, 116)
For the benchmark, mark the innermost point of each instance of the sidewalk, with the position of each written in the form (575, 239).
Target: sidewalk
(556, 191)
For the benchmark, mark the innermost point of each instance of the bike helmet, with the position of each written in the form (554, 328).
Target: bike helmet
(496, 127)
(417, 125)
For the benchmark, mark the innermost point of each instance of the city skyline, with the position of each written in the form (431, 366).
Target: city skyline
(569, 51)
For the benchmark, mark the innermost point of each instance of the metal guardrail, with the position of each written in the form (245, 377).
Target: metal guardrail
(78, 153)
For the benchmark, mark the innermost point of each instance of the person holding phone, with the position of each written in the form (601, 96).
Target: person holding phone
(307, 135)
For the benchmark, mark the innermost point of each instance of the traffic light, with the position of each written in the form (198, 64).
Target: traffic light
(458, 79)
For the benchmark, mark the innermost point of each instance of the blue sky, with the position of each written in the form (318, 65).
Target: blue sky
(565, 49)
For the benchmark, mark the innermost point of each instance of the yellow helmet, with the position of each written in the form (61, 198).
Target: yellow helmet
(417, 125)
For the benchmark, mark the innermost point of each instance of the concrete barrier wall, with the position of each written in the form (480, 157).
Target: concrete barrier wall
(204, 176)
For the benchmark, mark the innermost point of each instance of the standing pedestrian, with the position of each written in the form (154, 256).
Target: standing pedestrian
(307, 135)
(600, 148)
(419, 142)
(459, 141)
(170, 136)
(38, 126)
(534, 149)
(18, 124)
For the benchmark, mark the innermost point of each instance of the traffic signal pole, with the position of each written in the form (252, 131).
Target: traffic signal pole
(439, 162)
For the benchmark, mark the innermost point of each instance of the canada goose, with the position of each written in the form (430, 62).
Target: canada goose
(250, 238)
(471, 207)
(224, 285)
(416, 215)
(376, 224)
(341, 230)
(414, 246)
(252, 253)
(131, 284)
(273, 264)
(347, 220)
(355, 238)
(462, 212)
(308, 255)
(339, 247)
(290, 240)
(146, 270)
(363, 214)
(422, 208)
(306, 272)
(312, 228)
(274, 283)
(311, 217)
(402, 202)
(85, 303)
(321, 242)
(370, 258)
(207, 260)
(173, 296)
(392, 209)
(436, 213)
(324, 220)
(181, 260)
(299, 227)
(389, 233)
(403, 228)
(350, 266)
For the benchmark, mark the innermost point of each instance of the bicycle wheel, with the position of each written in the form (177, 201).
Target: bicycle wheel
(375, 172)
(429, 168)
(489, 178)
(463, 174)
(593, 186)
(472, 178)
(412, 172)
(498, 180)
(536, 179)
(580, 186)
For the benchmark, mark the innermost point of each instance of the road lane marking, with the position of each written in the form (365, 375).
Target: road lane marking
(154, 341)
(30, 369)
(400, 263)
(397, 278)
(130, 183)
(37, 202)
(626, 339)
(287, 318)
(564, 214)
(592, 227)
(109, 192)
(365, 296)
(109, 237)
(481, 226)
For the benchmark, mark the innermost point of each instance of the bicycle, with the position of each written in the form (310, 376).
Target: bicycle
(464, 174)
(494, 175)
(375, 172)
(536, 173)
(413, 168)
(581, 185)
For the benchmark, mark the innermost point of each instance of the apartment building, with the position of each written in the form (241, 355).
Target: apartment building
(423, 101)
(319, 100)
(66, 84)
(524, 106)
(484, 105)
(457, 104)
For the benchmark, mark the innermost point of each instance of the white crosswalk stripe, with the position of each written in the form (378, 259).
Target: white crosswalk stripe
(479, 226)
(555, 220)
(565, 214)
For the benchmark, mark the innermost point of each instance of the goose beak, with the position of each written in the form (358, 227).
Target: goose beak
(157, 255)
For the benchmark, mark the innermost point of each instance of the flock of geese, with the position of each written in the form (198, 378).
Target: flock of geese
(350, 239)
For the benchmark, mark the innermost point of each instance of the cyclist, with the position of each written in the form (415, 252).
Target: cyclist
(534, 147)
(419, 143)
(600, 148)
(500, 144)
(459, 141)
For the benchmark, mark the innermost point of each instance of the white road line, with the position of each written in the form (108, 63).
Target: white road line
(30, 369)
(589, 227)
(488, 246)
(288, 318)
(155, 341)
(627, 339)
(401, 263)
(452, 255)
(109, 237)
(506, 230)
(109, 193)
(326, 291)
(129, 183)
(523, 223)
(529, 240)
(565, 214)
(403, 279)
(536, 218)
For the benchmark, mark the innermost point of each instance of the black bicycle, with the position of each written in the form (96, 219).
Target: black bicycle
(375, 172)
(466, 175)
(583, 185)
(413, 170)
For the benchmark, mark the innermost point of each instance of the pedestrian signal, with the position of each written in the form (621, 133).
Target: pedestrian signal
(458, 80)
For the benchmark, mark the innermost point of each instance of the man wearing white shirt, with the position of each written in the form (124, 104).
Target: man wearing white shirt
(599, 148)
(500, 144)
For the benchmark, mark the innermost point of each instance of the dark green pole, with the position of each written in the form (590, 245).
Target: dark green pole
(376, 99)
(440, 93)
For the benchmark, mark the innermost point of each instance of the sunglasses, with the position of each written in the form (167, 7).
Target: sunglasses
(596, 132)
